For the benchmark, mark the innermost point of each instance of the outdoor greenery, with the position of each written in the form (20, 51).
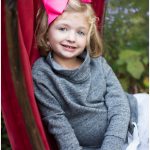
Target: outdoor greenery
(126, 43)
(125, 47)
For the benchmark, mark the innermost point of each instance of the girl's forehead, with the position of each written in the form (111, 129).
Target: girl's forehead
(73, 17)
(68, 14)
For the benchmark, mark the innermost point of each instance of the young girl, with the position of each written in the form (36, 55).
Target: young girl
(80, 99)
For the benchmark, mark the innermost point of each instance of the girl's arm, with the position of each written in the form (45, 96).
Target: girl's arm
(118, 111)
(54, 117)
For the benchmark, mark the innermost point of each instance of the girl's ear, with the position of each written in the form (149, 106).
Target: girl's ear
(48, 43)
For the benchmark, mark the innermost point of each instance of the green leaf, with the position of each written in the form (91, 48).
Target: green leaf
(145, 60)
(135, 68)
(120, 62)
(146, 82)
(126, 55)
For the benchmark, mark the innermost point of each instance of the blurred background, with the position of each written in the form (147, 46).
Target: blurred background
(126, 47)
(126, 37)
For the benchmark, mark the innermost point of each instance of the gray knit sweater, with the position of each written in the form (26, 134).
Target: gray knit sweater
(84, 108)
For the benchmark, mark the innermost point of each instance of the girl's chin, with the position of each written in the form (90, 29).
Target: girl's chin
(69, 54)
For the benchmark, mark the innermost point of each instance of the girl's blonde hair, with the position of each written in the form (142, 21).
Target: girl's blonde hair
(94, 42)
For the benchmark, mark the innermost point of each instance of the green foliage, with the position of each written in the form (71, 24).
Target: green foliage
(133, 62)
(126, 42)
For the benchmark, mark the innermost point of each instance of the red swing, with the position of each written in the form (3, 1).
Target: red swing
(19, 109)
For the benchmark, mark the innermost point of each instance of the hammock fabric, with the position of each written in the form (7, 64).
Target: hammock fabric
(25, 133)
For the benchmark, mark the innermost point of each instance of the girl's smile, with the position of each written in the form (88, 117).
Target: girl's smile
(69, 48)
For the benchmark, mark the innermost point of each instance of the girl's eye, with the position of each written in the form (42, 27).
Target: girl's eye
(81, 33)
(62, 29)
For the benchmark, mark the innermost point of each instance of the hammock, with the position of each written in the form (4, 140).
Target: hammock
(19, 109)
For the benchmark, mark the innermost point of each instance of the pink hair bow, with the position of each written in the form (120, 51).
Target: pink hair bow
(54, 8)
(86, 1)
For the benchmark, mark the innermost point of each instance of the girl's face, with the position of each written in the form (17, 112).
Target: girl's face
(67, 35)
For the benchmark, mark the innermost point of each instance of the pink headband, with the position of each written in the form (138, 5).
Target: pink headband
(54, 8)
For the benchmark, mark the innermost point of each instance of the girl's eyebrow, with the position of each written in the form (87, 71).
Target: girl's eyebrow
(84, 28)
(62, 24)
(67, 25)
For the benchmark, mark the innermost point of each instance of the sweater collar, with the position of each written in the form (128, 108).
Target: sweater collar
(76, 75)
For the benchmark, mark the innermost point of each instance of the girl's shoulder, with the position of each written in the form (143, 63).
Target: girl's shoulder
(100, 60)
(102, 63)
(40, 67)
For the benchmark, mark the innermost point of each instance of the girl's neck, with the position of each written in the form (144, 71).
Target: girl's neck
(71, 63)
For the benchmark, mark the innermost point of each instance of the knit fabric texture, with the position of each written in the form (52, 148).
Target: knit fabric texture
(84, 108)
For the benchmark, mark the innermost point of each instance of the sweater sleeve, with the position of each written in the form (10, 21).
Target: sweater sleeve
(54, 117)
(118, 111)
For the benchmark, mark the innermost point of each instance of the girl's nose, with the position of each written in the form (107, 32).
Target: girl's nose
(71, 37)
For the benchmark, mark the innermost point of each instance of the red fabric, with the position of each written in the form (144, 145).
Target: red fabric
(12, 114)
(99, 7)
(11, 111)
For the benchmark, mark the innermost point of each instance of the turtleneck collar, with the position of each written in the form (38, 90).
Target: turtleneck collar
(76, 75)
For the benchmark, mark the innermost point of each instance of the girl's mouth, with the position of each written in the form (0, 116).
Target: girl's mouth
(68, 47)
